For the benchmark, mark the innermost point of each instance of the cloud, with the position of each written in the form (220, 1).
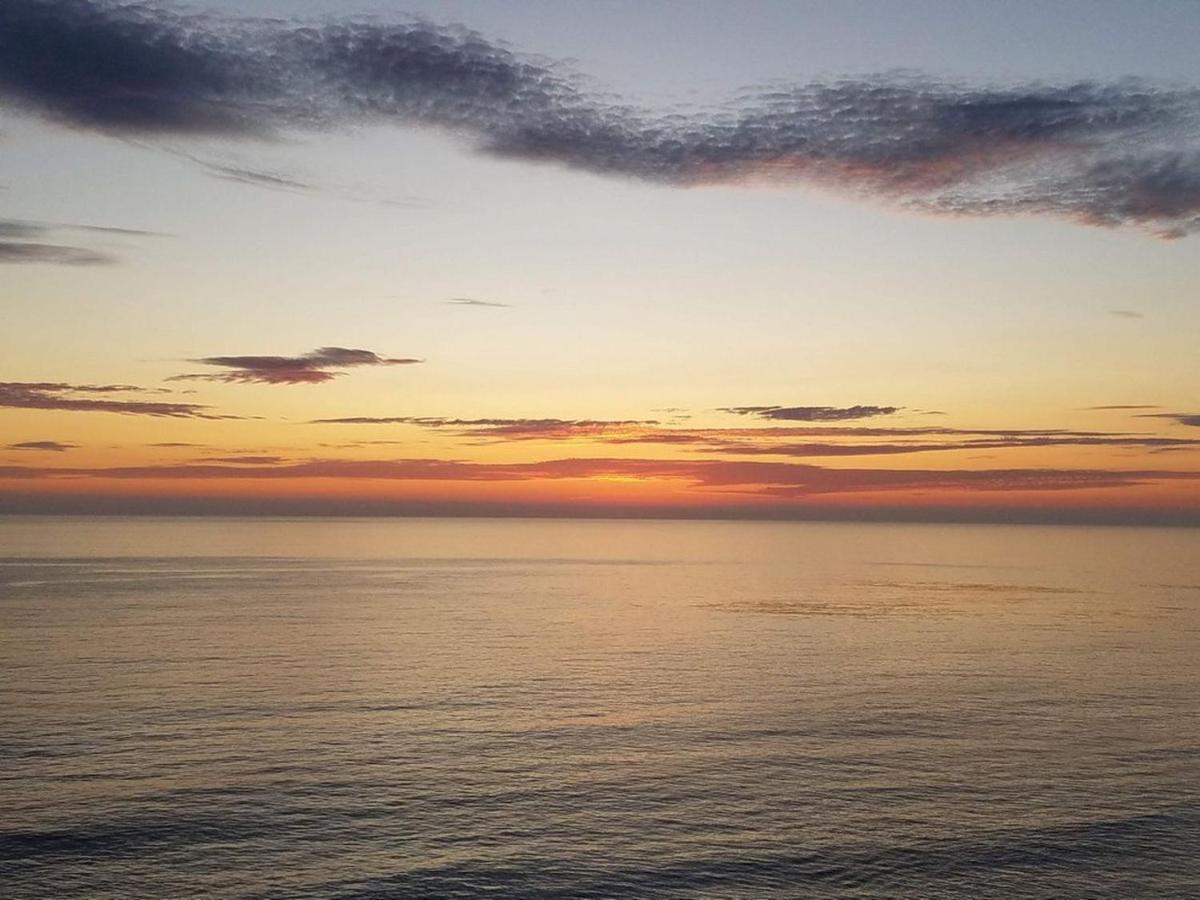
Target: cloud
(1106, 154)
(812, 413)
(634, 431)
(60, 396)
(1126, 313)
(1192, 419)
(775, 440)
(246, 460)
(277, 180)
(893, 449)
(467, 301)
(259, 178)
(25, 228)
(23, 241)
(51, 446)
(308, 368)
(227, 171)
(506, 429)
(1119, 406)
(12, 252)
(765, 479)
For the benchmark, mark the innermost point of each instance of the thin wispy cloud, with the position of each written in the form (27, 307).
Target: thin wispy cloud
(651, 431)
(26, 228)
(320, 365)
(812, 413)
(277, 179)
(469, 301)
(47, 446)
(1122, 153)
(256, 177)
(502, 429)
(1126, 313)
(811, 450)
(28, 242)
(81, 398)
(776, 440)
(245, 460)
(28, 253)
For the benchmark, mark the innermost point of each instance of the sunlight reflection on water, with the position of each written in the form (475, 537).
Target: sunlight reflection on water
(381, 708)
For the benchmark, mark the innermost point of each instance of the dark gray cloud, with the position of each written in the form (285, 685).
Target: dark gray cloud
(812, 413)
(50, 446)
(61, 396)
(309, 368)
(1122, 153)
(1192, 419)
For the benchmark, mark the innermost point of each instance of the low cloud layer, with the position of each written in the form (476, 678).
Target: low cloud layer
(318, 366)
(764, 479)
(812, 413)
(774, 440)
(82, 398)
(1111, 154)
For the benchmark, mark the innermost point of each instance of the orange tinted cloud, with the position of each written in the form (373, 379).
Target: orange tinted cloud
(776, 479)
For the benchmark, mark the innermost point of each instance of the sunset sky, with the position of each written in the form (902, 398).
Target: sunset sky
(923, 260)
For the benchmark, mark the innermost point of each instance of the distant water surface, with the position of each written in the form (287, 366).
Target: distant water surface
(535, 708)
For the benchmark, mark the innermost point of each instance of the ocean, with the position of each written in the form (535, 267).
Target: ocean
(373, 708)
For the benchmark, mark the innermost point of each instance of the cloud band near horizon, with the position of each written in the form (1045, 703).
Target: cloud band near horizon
(779, 480)
(1112, 154)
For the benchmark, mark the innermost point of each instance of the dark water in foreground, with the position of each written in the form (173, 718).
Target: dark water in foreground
(460, 708)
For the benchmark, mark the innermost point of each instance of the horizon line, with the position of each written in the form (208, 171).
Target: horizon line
(149, 508)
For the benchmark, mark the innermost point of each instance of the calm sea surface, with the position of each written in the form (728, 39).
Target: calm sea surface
(460, 708)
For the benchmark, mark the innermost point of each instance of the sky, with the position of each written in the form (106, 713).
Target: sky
(784, 260)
